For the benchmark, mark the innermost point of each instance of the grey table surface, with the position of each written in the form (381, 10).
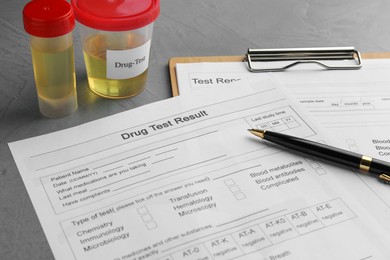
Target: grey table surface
(184, 28)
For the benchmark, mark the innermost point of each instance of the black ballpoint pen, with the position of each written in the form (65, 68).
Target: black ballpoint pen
(366, 164)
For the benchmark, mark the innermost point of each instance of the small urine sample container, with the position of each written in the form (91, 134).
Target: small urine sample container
(50, 25)
(116, 38)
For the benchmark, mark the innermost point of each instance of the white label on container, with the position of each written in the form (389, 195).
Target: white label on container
(125, 64)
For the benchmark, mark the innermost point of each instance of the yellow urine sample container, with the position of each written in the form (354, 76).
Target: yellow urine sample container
(50, 25)
(116, 38)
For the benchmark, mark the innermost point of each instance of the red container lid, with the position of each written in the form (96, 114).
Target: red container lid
(116, 15)
(48, 18)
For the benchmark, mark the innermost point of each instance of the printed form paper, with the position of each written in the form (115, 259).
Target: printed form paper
(353, 105)
(183, 179)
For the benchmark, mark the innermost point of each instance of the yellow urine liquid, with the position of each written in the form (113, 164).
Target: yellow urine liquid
(94, 50)
(55, 81)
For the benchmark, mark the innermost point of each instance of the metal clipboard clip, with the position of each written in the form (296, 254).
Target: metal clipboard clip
(341, 58)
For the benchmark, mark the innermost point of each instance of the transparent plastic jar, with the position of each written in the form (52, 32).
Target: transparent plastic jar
(50, 25)
(116, 38)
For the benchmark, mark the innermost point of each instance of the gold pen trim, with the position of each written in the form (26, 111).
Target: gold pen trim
(365, 163)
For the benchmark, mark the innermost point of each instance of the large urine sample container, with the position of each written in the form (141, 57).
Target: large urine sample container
(116, 38)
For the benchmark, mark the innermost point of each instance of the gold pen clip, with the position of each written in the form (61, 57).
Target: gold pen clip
(385, 178)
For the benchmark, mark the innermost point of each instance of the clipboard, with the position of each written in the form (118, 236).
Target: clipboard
(296, 60)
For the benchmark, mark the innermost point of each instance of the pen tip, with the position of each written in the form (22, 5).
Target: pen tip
(257, 132)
